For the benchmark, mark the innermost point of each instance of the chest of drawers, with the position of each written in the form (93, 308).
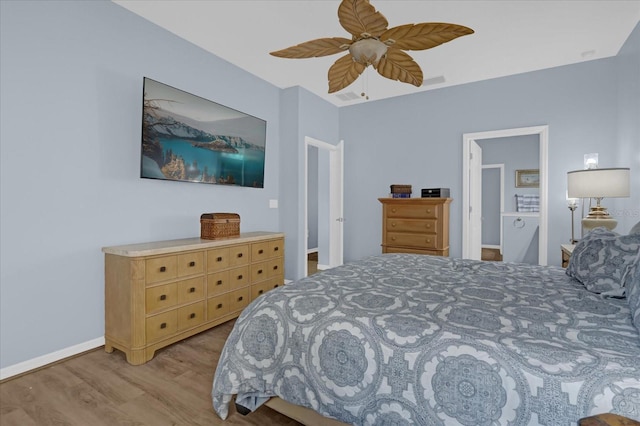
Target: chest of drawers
(161, 292)
(415, 225)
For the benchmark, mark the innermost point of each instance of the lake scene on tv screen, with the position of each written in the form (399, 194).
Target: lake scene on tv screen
(192, 139)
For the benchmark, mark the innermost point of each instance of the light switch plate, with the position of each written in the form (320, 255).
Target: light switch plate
(273, 204)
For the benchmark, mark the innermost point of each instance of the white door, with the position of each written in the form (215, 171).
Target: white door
(336, 220)
(475, 201)
(334, 199)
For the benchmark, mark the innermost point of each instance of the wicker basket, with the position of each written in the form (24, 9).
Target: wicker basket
(401, 189)
(215, 226)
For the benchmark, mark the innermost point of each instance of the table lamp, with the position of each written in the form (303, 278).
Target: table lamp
(598, 184)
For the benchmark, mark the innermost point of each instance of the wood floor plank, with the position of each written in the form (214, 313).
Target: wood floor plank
(101, 389)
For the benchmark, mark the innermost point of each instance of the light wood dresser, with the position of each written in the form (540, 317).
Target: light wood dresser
(161, 292)
(415, 225)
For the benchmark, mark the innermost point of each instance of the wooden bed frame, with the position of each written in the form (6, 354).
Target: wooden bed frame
(309, 417)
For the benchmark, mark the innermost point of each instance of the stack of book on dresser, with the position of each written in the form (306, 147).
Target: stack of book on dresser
(401, 191)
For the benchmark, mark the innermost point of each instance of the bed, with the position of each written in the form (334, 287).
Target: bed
(424, 340)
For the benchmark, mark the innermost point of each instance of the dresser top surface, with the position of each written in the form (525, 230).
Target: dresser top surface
(196, 243)
(417, 200)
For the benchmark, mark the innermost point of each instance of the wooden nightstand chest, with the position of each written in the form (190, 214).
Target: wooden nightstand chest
(415, 225)
(567, 250)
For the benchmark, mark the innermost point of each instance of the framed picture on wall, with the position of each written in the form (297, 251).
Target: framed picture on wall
(527, 178)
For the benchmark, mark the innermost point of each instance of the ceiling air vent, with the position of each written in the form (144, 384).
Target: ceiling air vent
(348, 96)
(434, 80)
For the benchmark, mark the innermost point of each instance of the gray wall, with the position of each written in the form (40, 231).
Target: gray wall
(70, 113)
(517, 153)
(419, 141)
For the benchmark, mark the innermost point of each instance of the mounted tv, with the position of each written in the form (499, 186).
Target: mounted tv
(191, 139)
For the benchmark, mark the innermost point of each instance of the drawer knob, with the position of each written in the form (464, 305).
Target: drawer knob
(163, 297)
(239, 254)
(259, 271)
(192, 316)
(240, 299)
(393, 210)
(192, 290)
(163, 269)
(393, 238)
(219, 306)
(428, 240)
(219, 282)
(163, 325)
(393, 224)
(192, 264)
(239, 277)
(219, 259)
(276, 248)
(260, 251)
(260, 291)
(429, 211)
(428, 225)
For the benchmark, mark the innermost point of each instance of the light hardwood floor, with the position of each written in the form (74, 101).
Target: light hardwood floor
(97, 388)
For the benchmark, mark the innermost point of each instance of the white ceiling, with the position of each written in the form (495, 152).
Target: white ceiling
(511, 37)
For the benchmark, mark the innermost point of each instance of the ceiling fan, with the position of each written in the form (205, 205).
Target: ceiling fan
(372, 43)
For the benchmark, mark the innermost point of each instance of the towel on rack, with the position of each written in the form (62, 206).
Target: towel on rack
(528, 203)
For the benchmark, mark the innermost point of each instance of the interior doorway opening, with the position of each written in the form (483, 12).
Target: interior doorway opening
(472, 188)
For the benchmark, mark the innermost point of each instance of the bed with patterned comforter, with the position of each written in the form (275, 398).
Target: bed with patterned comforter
(422, 340)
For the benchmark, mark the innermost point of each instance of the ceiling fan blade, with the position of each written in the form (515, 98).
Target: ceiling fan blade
(397, 65)
(344, 72)
(423, 36)
(359, 16)
(314, 48)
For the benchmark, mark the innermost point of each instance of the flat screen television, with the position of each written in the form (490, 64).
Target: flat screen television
(191, 139)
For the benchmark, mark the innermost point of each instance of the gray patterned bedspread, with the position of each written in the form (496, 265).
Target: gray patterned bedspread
(421, 340)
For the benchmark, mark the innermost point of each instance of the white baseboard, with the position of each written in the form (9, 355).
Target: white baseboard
(312, 250)
(491, 246)
(323, 267)
(41, 361)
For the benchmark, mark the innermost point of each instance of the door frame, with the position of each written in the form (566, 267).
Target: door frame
(543, 136)
(336, 202)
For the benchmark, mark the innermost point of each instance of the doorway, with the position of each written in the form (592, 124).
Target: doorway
(472, 188)
(323, 203)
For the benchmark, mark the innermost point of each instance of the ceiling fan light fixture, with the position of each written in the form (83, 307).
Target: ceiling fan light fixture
(368, 51)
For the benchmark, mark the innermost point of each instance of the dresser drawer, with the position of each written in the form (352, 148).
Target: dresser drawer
(190, 316)
(412, 225)
(239, 277)
(218, 283)
(217, 306)
(160, 297)
(239, 299)
(217, 259)
(413, 212)
(259, 271)
(238, 255)
(190, 290)
(412, 240)
(162, 325)
(275, 267)
(263, 287)
(160, 269)
(260, 251)
(190, 263)
(276, 248)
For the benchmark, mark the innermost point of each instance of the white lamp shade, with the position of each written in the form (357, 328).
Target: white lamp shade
(598, 183)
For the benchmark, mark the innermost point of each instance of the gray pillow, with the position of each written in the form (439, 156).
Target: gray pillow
(602, 261)
(633, 293)
(635, 229)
